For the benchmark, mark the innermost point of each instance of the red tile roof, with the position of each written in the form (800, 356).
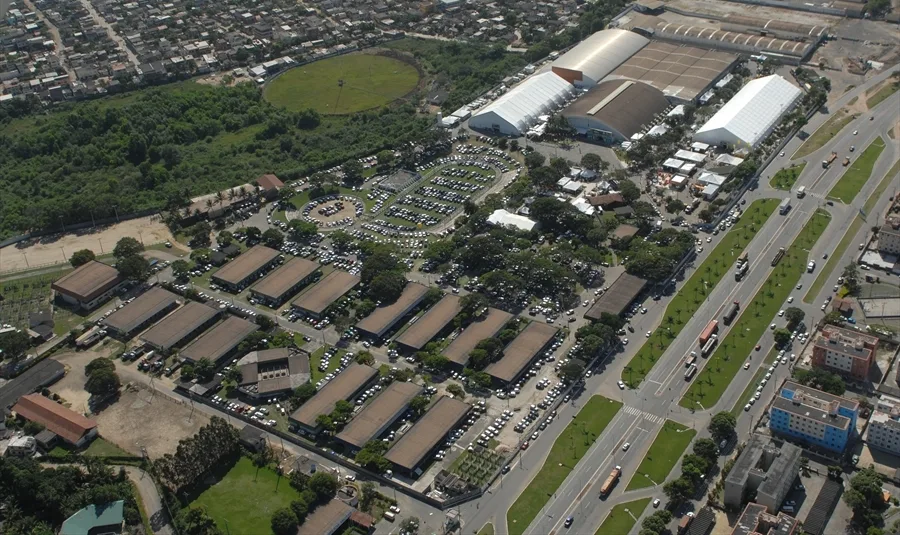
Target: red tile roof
(66, 423)
(267, 182)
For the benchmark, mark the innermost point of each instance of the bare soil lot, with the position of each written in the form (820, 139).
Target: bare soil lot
(57, 248)
(148, 419)
(71, 387)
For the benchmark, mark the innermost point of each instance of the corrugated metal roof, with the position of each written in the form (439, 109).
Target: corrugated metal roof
(601, 53)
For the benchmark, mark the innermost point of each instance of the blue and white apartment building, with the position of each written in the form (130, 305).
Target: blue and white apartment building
(814, 417)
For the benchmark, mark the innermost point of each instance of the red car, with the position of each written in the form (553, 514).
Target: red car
(525, 445)
(757, 347)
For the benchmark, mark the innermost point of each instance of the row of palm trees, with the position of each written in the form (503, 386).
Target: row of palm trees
(219, 198)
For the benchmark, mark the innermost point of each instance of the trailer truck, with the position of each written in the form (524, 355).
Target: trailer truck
(710, 329)
(91, 336)
(742, 266)
(785, 206)
(709, 346)
(732, 312)
(611, 481)
(828, 161)
(778, 256)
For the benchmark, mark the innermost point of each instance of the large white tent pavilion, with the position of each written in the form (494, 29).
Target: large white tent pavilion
(518, 110)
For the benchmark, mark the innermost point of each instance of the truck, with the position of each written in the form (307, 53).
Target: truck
(91, 336)
(611, 481)
(828, 161)
(778, 256)
(692, 369)
(732, 313)
(685, 523)
(741, 270)
(801, 192)
(846, 161)
(785, 206)
(710, 329)
(709, 346)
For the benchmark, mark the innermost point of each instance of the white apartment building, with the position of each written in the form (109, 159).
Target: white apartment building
(884, 426)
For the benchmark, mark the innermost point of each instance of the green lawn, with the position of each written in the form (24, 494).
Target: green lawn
(824, 133)
(244, 499)
(882, 94)
(487, 529)
(302, 199)
(888, 179)
(689, 298)
(343, 84)
(620, 521)
(785, 178)
(103, 448)
(25, 295)
(316, 357)
(755, 317)
(568, 449)
(662, 456)
(833, 260)
(857, 174)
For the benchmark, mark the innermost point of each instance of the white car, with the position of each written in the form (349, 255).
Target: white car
(791, 299)
(625, 446)
(621, 385)
(746, 365)
(780, 313)
(656, 503)
(649, 334)
(772, 327)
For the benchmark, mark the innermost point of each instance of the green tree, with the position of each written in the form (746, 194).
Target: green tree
(794, 316)
(678, 490)
(79, 258)
(340, 239)
(629, 191)
(386, 287)
(368, 493)
(851, 278)
(782, 336)
(675, 206)
(126, 247)
(865, 496)
(284, 522)
(102, 382)
(225, 238)
(706, 448)
(300, 508)
(265, 322)
(302, 231)
(352, 171)
(418, 404)
(591, 161)
(204, 369)
(253, 234)
(365, 357)
(435, 362)
(534, 160)
(324, 485)
(481, 379)
(181, 269)
(571, 371)
(273, 238)
(456, 390)
(135, 267)
(722, 425)
(14, 344)
(196, 521)
(99, 363)
(302, 394)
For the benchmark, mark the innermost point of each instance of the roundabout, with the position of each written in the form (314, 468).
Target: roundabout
(332, 212)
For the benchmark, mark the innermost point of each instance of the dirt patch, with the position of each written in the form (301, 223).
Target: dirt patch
(148, 419)
(71, 387)
(57, 248)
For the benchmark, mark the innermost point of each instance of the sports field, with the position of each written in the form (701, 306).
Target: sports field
(343, 84)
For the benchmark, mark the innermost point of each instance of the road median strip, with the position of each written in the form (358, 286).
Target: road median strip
(670, 443)
(623, 517)
(825, 133)
(857, 174)
(691, 295)
(568, 449)
(729, 357)
(833, 260)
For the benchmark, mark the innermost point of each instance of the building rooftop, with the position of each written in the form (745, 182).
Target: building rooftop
(326, 519)
(758, 455)
(144, 307)
(755, 519)
(276, 283)
(269, 182)
(45, 372)
(89, 520)
(248, 263)
(431, 323)
(173, 329)
(385, 316)
(218, 341)
(273, 370)
(819, 397)
(326, 291)
(341, 387)
(623, 105)
(522, 350)
(487, 327)
(412, 447)
(88, 281)
(64, 422)
(620, 294)
(386, 406)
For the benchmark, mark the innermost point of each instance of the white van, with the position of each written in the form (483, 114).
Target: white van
(389, 516)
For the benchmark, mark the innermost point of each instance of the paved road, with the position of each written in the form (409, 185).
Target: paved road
(153, 505)
(657, 397)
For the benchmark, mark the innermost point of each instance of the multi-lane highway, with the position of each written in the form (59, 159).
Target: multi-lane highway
(656, 399)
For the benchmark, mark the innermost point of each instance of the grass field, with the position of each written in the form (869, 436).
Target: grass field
(882, 94)
(568, 449)
(857, 174)
(662, 456)
(487, 529)
(828, 130)
(695, 290)
(620, 519)
(103, 448)
(243, 500)
(889, 178)
(785, 178)
(369, 81)
(755, 317)
(833, 260)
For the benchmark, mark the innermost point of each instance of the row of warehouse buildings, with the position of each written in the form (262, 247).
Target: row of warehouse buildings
(613, 84)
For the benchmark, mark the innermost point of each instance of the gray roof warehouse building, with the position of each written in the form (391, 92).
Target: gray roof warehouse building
(317, 299)
(243, 270)
(144, 310)
(219, 341)
(88, 285)
(414, 446)
(378, 415)
(621, 293)
(487, 327)
(346, 385)
(384, 317)
(431, 323)
(613, 111)
(282, 283)
(521, 351)
(180, 326)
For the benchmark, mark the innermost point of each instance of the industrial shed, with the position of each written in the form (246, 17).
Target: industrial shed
(593, 59)
(409, 452)
(620, 294)
(519, 109)
(486, 327)
(383, 318)
(431, 323)
(218, 342)
(752, 114)
(346, 385)
(317, 299)
(378, 415)
(521, 351)
(613, 111)
(144, 310)
(180, 326)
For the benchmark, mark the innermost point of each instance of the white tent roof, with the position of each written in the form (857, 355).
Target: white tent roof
(502, 217)
(601, 53)
(535, 96)
(754, 111)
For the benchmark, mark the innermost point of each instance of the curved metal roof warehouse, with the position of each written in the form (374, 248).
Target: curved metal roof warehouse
(593, 59)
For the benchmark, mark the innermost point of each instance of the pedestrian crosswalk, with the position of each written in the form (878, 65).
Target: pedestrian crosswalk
(634, 411)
